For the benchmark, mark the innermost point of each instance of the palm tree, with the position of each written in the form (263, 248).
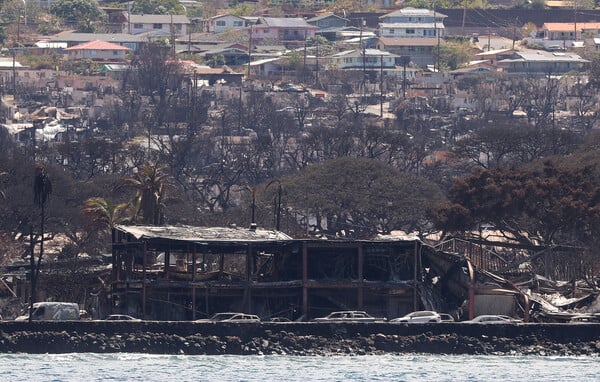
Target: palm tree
(42, 188)
(150, 184)
(104, 215)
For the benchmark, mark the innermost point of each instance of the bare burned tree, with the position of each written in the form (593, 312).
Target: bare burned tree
(156, 75)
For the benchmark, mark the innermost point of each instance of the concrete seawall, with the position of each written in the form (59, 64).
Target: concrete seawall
(298, 338)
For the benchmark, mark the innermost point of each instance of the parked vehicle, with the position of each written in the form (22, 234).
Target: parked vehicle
(446, 317)
(232, 317)
(420, 316)
(280, 319)
(121, 317)
(348, 316)
(52, 311)
(585, 318)
(493, 319)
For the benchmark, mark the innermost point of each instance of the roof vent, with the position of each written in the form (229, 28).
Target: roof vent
(252, 226)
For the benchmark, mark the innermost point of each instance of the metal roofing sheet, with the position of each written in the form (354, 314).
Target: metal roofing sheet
(203, 234)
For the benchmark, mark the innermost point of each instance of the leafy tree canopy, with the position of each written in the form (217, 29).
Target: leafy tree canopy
(454, 54)
(360, 197)
(552, 203)
(77, 10)
(158, 7)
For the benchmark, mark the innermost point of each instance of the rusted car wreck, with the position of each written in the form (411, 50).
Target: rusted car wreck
(186, 273)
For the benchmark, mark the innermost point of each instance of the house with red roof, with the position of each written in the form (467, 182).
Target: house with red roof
(98, 51)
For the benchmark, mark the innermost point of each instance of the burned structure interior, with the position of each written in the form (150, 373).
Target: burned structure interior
(187, 273)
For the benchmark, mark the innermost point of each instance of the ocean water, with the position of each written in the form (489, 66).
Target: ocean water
(144, 367)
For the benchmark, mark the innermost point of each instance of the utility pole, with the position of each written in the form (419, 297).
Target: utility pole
(14, 55)
(575, 17)
(249, 51)
(404, 60)
(317, 64)
(363, 48)
(304, 62)
(437, 34)
(381, 86)
(462, 30)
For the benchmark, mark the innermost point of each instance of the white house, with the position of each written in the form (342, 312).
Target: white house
(171, 24)
(368, 59)
(220, 23)
(412, 22)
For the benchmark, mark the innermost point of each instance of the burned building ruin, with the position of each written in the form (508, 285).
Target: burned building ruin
(187, 273)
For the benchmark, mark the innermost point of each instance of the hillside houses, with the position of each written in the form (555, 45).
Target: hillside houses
(97, 50)
(167, 24)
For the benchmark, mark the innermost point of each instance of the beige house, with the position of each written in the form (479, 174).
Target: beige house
(162, 24)
(98, 51)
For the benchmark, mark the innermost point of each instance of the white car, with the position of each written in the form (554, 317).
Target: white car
(446, 317)
(349, 316)
(121, 317)
(420, 316)
(585, 318)
(493, 319)
(232, 317)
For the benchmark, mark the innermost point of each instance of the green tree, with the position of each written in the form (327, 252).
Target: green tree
(552, 204)
(360, 197)
(158, 7)
(85, 13)
(103, 215)
(150, 184)
(454, 54)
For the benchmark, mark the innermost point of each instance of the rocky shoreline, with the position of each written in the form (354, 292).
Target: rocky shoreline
(286, 342)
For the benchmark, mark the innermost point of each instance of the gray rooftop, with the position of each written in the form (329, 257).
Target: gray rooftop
(159, 19)
(109, 37)
(413, 12)
(285, 22)
(203, 234)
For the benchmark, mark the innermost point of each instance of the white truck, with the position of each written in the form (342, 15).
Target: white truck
(52, 311)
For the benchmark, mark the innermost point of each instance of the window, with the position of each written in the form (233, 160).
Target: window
(410, 31)
(92, 52)
(391, 31)
(220, 23)
(238, 23)
(266, 30)
(347, 60)
(138, 26)
(115, 52)
(157, 26)
(178, 27)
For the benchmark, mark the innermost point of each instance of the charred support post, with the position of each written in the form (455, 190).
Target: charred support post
(304, 280)
(193, 302)
(194, 263)
(167, 262)
(113, 255)
(248, 287)
(144, 252)
(193, 279)
(360, 276)
(415, 261)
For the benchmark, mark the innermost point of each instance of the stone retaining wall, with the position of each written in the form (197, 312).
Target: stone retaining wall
(298, 338)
